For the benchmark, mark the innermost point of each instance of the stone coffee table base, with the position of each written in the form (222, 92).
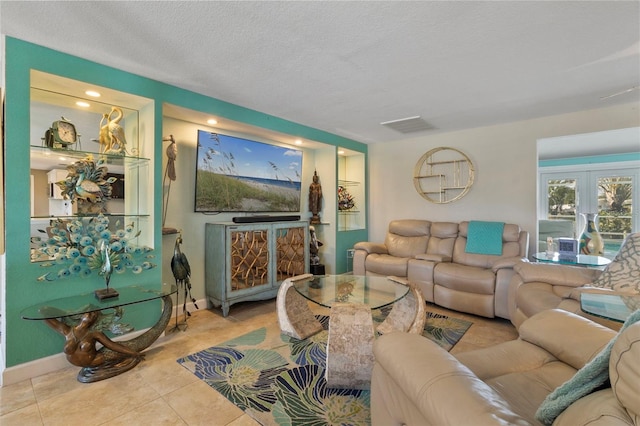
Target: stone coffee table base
(351, 332)
(350, 346)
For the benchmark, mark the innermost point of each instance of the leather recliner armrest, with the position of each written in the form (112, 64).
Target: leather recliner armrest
(507, 263)
(429, 376)
(370, 247)
(571, 338)
(569, 276)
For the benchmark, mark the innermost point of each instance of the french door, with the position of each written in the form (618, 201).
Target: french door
(568, 192)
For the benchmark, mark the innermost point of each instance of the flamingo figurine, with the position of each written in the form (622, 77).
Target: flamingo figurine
(103, 138)
(116, 133)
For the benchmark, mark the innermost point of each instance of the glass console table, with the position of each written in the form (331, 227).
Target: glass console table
(82, 321)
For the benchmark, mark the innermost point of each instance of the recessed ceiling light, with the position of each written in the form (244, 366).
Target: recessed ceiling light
(340, 152)
(298, 142)
(92, 93)
(212, 121)
(82, 104)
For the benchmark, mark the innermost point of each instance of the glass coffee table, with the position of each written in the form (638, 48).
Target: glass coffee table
(351, 332)
(375, 292)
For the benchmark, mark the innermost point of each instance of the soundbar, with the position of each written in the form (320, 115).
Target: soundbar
(264, 218)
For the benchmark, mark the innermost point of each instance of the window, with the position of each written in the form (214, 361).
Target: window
(608, 189)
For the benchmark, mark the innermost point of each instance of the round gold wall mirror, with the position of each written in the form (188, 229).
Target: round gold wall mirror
(443, 175)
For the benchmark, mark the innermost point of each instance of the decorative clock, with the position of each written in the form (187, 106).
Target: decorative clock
(443, 175)
(61, 134)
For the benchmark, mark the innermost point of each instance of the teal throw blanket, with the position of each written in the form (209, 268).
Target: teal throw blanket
(485, 237)
(586, 380)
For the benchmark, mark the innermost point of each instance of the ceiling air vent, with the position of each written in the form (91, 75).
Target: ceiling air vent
(408, 125)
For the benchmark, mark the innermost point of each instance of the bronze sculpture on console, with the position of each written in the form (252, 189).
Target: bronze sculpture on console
(315, 199)
(315, 267)
(80, 345)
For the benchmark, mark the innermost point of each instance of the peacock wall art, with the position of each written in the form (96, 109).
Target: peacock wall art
(76, 246)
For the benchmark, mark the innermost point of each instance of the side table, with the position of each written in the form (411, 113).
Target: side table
(77, 319)
(614, 306)
(577, 260)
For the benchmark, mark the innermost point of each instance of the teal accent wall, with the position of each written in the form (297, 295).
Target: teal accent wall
(346, 242)
(596, 159)
(31, 340)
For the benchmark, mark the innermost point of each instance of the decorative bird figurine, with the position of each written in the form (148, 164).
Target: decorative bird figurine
(172, 154)
(104, 260)
(87, 190)
(117, 140)
(103, 138)
(106, 263)
(182, 272)
(86, 181)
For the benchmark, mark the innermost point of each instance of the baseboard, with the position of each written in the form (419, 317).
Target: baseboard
(177, 308)
(49, 364)
(34, 368)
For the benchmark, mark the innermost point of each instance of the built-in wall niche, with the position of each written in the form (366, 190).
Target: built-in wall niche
(56, 98)
(351, 190)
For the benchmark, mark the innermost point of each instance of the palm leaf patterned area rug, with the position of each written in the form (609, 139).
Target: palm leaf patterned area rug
(279, 380)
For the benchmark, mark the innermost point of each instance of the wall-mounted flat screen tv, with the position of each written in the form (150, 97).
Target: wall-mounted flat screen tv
(240, 175)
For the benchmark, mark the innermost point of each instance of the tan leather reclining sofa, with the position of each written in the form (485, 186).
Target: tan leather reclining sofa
(539, 286)
(433, 256)
(506, 384)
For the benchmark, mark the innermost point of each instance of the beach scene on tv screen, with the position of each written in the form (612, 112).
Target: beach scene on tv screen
(236, 174)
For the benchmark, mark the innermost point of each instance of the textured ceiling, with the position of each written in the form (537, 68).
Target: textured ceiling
(345, 67)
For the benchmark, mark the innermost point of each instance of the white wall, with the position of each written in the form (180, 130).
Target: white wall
(505, 161)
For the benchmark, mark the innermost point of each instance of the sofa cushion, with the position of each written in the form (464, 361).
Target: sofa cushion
(535, 297)
(436, 383)
(468, 279)
(593, 375)
(575, 340)
(623, 273)
(624, 373)
(406, 238)
(525, 390)
(598, 408)
(443, 236)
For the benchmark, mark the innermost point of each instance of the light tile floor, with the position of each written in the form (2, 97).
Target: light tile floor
(161, 392)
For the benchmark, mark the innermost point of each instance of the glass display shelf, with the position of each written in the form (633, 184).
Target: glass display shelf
(62, 157)
(73, 217)
(348, 182)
